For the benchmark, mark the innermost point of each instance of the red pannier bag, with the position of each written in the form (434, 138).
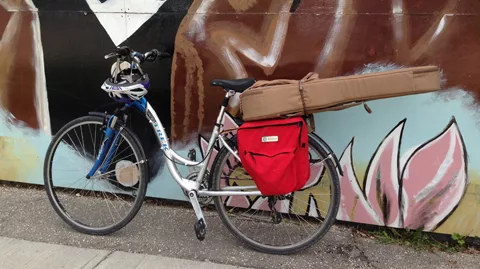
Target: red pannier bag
(275, 154)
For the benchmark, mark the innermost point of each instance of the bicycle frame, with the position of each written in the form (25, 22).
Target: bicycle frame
(188, 185)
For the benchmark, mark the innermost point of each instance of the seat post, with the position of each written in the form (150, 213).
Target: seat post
(224, 105)
(226, 99)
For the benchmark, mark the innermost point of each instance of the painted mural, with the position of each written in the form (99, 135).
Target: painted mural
(413, 163)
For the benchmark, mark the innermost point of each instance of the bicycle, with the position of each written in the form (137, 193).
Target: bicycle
(128, 85)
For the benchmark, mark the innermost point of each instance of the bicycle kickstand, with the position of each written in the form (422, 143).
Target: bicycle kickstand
(200, 225)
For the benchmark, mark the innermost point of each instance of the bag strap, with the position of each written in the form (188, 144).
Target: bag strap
(228, 130)
(311, 126)
(302, 97)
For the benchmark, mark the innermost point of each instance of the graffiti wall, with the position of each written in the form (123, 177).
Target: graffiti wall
(414, 162)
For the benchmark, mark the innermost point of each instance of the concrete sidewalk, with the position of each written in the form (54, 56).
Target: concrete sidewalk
(167, 231)
(22, 254)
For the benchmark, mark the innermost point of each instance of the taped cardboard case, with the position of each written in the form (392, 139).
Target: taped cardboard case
(280, 98)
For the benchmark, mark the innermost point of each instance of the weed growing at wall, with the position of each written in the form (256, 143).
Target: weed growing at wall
(419, 240)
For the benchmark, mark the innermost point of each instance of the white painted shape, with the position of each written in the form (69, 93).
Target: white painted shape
(31, 5)
(143, 6)
(115, 25)
(440, 27)
(333, 35)
(12, 6)
(397, 6)
(107, 7)
(312, 209)
(134, 22)
(397, 9)
(258, 203)
(41, 99)
(285, 206)
(113, 16)
(197, 24)
(345, 161)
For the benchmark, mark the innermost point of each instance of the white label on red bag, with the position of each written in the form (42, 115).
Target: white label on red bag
(269, 139)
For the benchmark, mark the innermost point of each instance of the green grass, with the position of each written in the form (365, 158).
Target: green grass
(419, 240)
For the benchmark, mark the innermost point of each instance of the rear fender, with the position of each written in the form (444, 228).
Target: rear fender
(329, 150)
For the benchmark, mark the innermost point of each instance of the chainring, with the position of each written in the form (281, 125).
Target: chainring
(203, 200)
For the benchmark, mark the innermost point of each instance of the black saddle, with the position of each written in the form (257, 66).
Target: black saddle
(237, 85)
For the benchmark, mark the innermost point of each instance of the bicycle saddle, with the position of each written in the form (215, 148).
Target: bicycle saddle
(237, 85)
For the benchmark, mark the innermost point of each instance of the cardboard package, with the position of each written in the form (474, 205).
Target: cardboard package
(280, 98)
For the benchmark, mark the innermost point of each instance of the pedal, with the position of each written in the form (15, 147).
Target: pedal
(200, 229)
(200, 226)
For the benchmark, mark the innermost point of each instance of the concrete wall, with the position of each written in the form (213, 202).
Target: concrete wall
(414, 162)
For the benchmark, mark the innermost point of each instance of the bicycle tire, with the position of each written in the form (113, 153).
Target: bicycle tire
(59, 209)
(284, 250)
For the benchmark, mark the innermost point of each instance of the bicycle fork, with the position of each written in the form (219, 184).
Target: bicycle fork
(107, 149)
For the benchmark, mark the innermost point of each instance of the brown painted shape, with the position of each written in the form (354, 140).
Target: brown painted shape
(227, 37)
(432, 7)
(242, 5)
(16, 5)
(16, 55)
(425, 32)
(4, 18)
(22, 81)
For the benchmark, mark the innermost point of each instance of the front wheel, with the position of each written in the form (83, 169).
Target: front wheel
(301, 218)
(107, 201)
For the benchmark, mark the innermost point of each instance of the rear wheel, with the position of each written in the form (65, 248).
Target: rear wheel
(105, 202)
(301, 218)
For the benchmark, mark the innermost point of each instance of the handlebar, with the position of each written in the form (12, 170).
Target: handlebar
(138, 57)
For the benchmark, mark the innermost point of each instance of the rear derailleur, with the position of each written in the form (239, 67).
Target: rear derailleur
(277, 217)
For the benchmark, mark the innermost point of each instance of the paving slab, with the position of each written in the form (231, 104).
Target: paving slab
(125, 260)
(22, 254)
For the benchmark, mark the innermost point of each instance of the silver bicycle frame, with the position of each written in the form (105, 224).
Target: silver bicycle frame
(190, 185)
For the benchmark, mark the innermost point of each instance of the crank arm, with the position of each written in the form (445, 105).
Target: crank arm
(200, 226)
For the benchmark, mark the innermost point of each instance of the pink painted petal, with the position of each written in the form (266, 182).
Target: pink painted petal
(238, 201)
(223, 184)
(381, 182)
(228, 124)
(204, 148)
(231, 164)
(316, 171)
(434, 180)
(353, 205)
